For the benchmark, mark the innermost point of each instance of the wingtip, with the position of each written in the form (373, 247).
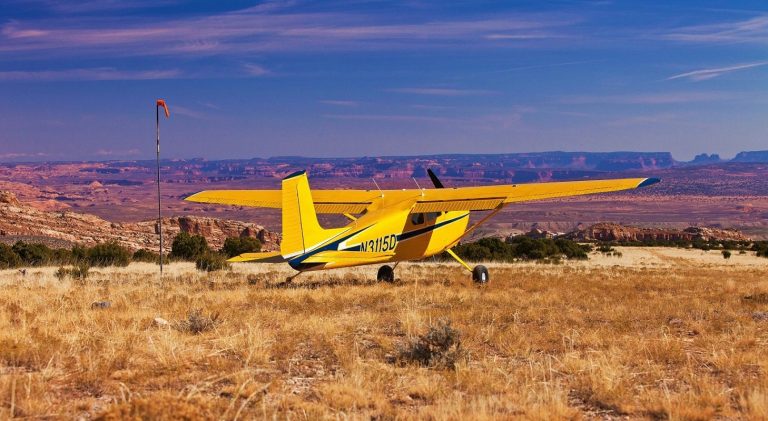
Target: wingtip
(191, 197)
(295, 174)
(649, 182)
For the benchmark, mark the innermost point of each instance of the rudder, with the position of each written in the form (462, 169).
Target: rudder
(301, 230)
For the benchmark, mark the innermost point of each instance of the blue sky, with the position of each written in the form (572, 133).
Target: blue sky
(353, 78)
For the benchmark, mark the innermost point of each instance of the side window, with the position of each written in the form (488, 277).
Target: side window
(431, 216)
(417, 218)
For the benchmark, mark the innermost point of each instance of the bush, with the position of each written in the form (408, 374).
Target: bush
(440, 347)
(188, 247)
(235, 246)
(196, 322)
(33, 254)
(761, 247)
(144, 255)
(8, 258)
(108, 254)
(726, 254)
(211, 261)
(522, 248)
(76, 272)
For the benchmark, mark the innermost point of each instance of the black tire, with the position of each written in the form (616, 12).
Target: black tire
(480, 274)
(386, 274)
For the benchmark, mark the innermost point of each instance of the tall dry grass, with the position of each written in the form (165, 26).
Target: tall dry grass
(670, 341)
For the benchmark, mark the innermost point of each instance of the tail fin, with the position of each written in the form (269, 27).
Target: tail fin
(301, 231)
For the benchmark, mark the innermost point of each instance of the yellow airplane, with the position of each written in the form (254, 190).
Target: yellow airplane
(391, 225)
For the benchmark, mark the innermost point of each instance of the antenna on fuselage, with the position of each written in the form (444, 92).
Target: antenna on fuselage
(377, 186)
(417, 185)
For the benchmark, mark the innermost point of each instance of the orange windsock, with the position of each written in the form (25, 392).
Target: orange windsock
(161, 103)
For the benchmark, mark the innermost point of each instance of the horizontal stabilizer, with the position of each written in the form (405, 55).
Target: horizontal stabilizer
(265, 257)
(330, 256)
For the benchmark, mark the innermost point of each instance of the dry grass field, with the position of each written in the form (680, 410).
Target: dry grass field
(655, 334)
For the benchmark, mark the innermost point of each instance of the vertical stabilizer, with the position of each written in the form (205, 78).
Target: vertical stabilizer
(301, 230)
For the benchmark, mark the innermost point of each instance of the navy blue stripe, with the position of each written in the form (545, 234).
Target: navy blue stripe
(648, 182)
(410, 234)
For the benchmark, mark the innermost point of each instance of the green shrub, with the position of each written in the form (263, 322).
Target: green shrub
(33, 254)
(211, 261)
(188, 247)
(79, 271)
(726, 254)
(522, 248)
(8, 258)
(108, 254)
(147, 256)
(235, 246)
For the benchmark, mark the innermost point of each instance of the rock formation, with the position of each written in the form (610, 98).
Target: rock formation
(21, 222)
(621, 233)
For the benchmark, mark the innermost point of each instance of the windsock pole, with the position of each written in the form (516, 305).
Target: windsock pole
(160, 103)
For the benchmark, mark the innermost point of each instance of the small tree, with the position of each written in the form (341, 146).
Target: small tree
(8, 258)
(188, 247)
(726, 254)
(109, 254)
(211, 261)
(33, 254)
(235, 246)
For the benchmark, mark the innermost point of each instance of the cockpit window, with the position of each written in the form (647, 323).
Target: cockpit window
(431, 216)
(417, 218)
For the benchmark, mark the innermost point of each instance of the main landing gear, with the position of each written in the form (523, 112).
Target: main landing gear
(386, 273)
(479, 272)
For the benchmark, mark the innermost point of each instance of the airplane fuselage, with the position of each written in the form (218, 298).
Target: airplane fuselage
(389, 236)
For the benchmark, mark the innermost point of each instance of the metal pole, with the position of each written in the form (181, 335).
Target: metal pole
(159, 214)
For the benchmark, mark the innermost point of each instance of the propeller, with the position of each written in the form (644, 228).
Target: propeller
(435, 180)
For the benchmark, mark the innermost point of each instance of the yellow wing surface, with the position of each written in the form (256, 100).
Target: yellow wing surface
(428, 200)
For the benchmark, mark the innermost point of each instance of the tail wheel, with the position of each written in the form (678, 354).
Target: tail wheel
(386, 274)
(480, 274)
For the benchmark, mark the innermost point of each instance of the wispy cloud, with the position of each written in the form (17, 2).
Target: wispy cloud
(256, 69)
(704, 74)
(753, 30)
(650, 99)
(116, 152)
(641, 120)
(261, 29)
(392, 117)
(101, 73)
(21, 155)
(187, 112)
(442, 91)
(340, 103)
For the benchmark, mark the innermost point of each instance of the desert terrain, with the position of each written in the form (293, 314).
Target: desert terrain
(658, 333)
(721, 194)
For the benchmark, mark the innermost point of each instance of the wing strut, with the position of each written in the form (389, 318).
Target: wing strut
(458, 259)
(477, 224)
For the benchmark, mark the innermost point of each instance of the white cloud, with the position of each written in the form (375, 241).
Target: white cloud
(442, 91)
(101, 73)
(704, 74)
(256, 69)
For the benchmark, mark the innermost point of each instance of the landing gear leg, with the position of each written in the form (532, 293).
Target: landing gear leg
(479, 272)
(386, 274)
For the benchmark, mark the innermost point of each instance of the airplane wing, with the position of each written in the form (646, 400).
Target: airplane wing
(428, 200)
(264, 257)
(326, 201)
(490, 197)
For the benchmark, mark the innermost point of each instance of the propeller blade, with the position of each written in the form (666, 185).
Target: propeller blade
(435, 180)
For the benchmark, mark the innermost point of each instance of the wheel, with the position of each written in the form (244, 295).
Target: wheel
(480, 274)
(386, 274)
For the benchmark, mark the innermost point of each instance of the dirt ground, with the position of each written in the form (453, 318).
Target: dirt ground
(657, 333)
